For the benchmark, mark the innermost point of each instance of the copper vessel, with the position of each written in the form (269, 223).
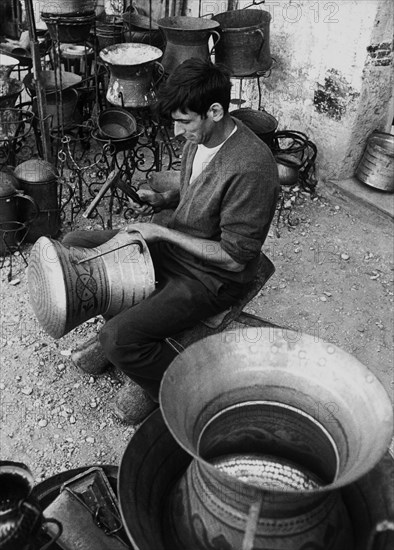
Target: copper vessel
(70, 286)
(134, 73)
(376, 166)
(21, 518)
(186, 37)
(277, 427)
(38, 178)
(12, 229)
(244, 41)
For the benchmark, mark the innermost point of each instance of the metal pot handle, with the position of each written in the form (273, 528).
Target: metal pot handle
(36, 207)
(262, 41)
(160, 72)
(214, 33)
(55, 536)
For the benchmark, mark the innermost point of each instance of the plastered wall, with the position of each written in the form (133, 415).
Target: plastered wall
(332, 77)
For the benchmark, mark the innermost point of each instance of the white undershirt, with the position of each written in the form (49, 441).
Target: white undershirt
(204, 155)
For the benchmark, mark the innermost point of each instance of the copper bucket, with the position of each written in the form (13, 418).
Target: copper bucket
(244, 45)
(268, 433)
(376, 167)
(70, 286)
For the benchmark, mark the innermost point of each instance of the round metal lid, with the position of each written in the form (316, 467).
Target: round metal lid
(35, 171)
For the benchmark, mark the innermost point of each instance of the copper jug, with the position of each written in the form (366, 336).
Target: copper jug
(186, 37)
(68, 286)
(134, 73)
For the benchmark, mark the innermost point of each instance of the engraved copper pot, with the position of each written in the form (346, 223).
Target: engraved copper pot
(134, 73)
(70, 286)
(276, 427)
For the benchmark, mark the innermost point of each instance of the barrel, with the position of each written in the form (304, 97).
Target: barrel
(376, 167)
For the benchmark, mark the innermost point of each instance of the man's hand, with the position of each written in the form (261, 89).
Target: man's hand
(150, 232)
(154, 200)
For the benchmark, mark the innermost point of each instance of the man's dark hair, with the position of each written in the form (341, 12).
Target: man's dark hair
(194, 85)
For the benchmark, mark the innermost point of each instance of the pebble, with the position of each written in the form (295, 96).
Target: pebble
(72, 419)
(323, 299)
(2, 386)
(327, 293)
(27, 391)
(345, 256)
(15, 282)
(61, 367)
(90, 439)
(66, 352)
(42, 423)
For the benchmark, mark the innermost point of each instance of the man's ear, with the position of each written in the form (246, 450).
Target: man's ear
(216, 112)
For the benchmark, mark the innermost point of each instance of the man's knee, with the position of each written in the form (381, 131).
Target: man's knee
(116, 339)
(74, 238)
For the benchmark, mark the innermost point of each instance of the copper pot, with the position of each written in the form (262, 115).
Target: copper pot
(132, 74)
(244, 45)
(69, 286)
(376, 166)
(39, 179)
(186, 37)
(265, 454)
(12, 229)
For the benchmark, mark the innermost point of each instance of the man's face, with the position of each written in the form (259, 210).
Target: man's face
(193, 127)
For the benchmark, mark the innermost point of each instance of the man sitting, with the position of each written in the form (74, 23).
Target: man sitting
(210, 248)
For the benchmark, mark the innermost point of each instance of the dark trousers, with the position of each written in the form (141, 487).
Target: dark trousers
(134, 340)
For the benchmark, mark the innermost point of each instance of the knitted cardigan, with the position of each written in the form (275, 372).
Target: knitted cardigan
(232, 202)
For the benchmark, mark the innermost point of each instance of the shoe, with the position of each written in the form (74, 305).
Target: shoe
(133, 404)
(89, 357)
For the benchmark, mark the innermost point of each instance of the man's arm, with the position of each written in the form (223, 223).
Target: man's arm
(203, 249)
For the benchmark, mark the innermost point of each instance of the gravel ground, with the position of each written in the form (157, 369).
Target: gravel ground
(334, 279)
